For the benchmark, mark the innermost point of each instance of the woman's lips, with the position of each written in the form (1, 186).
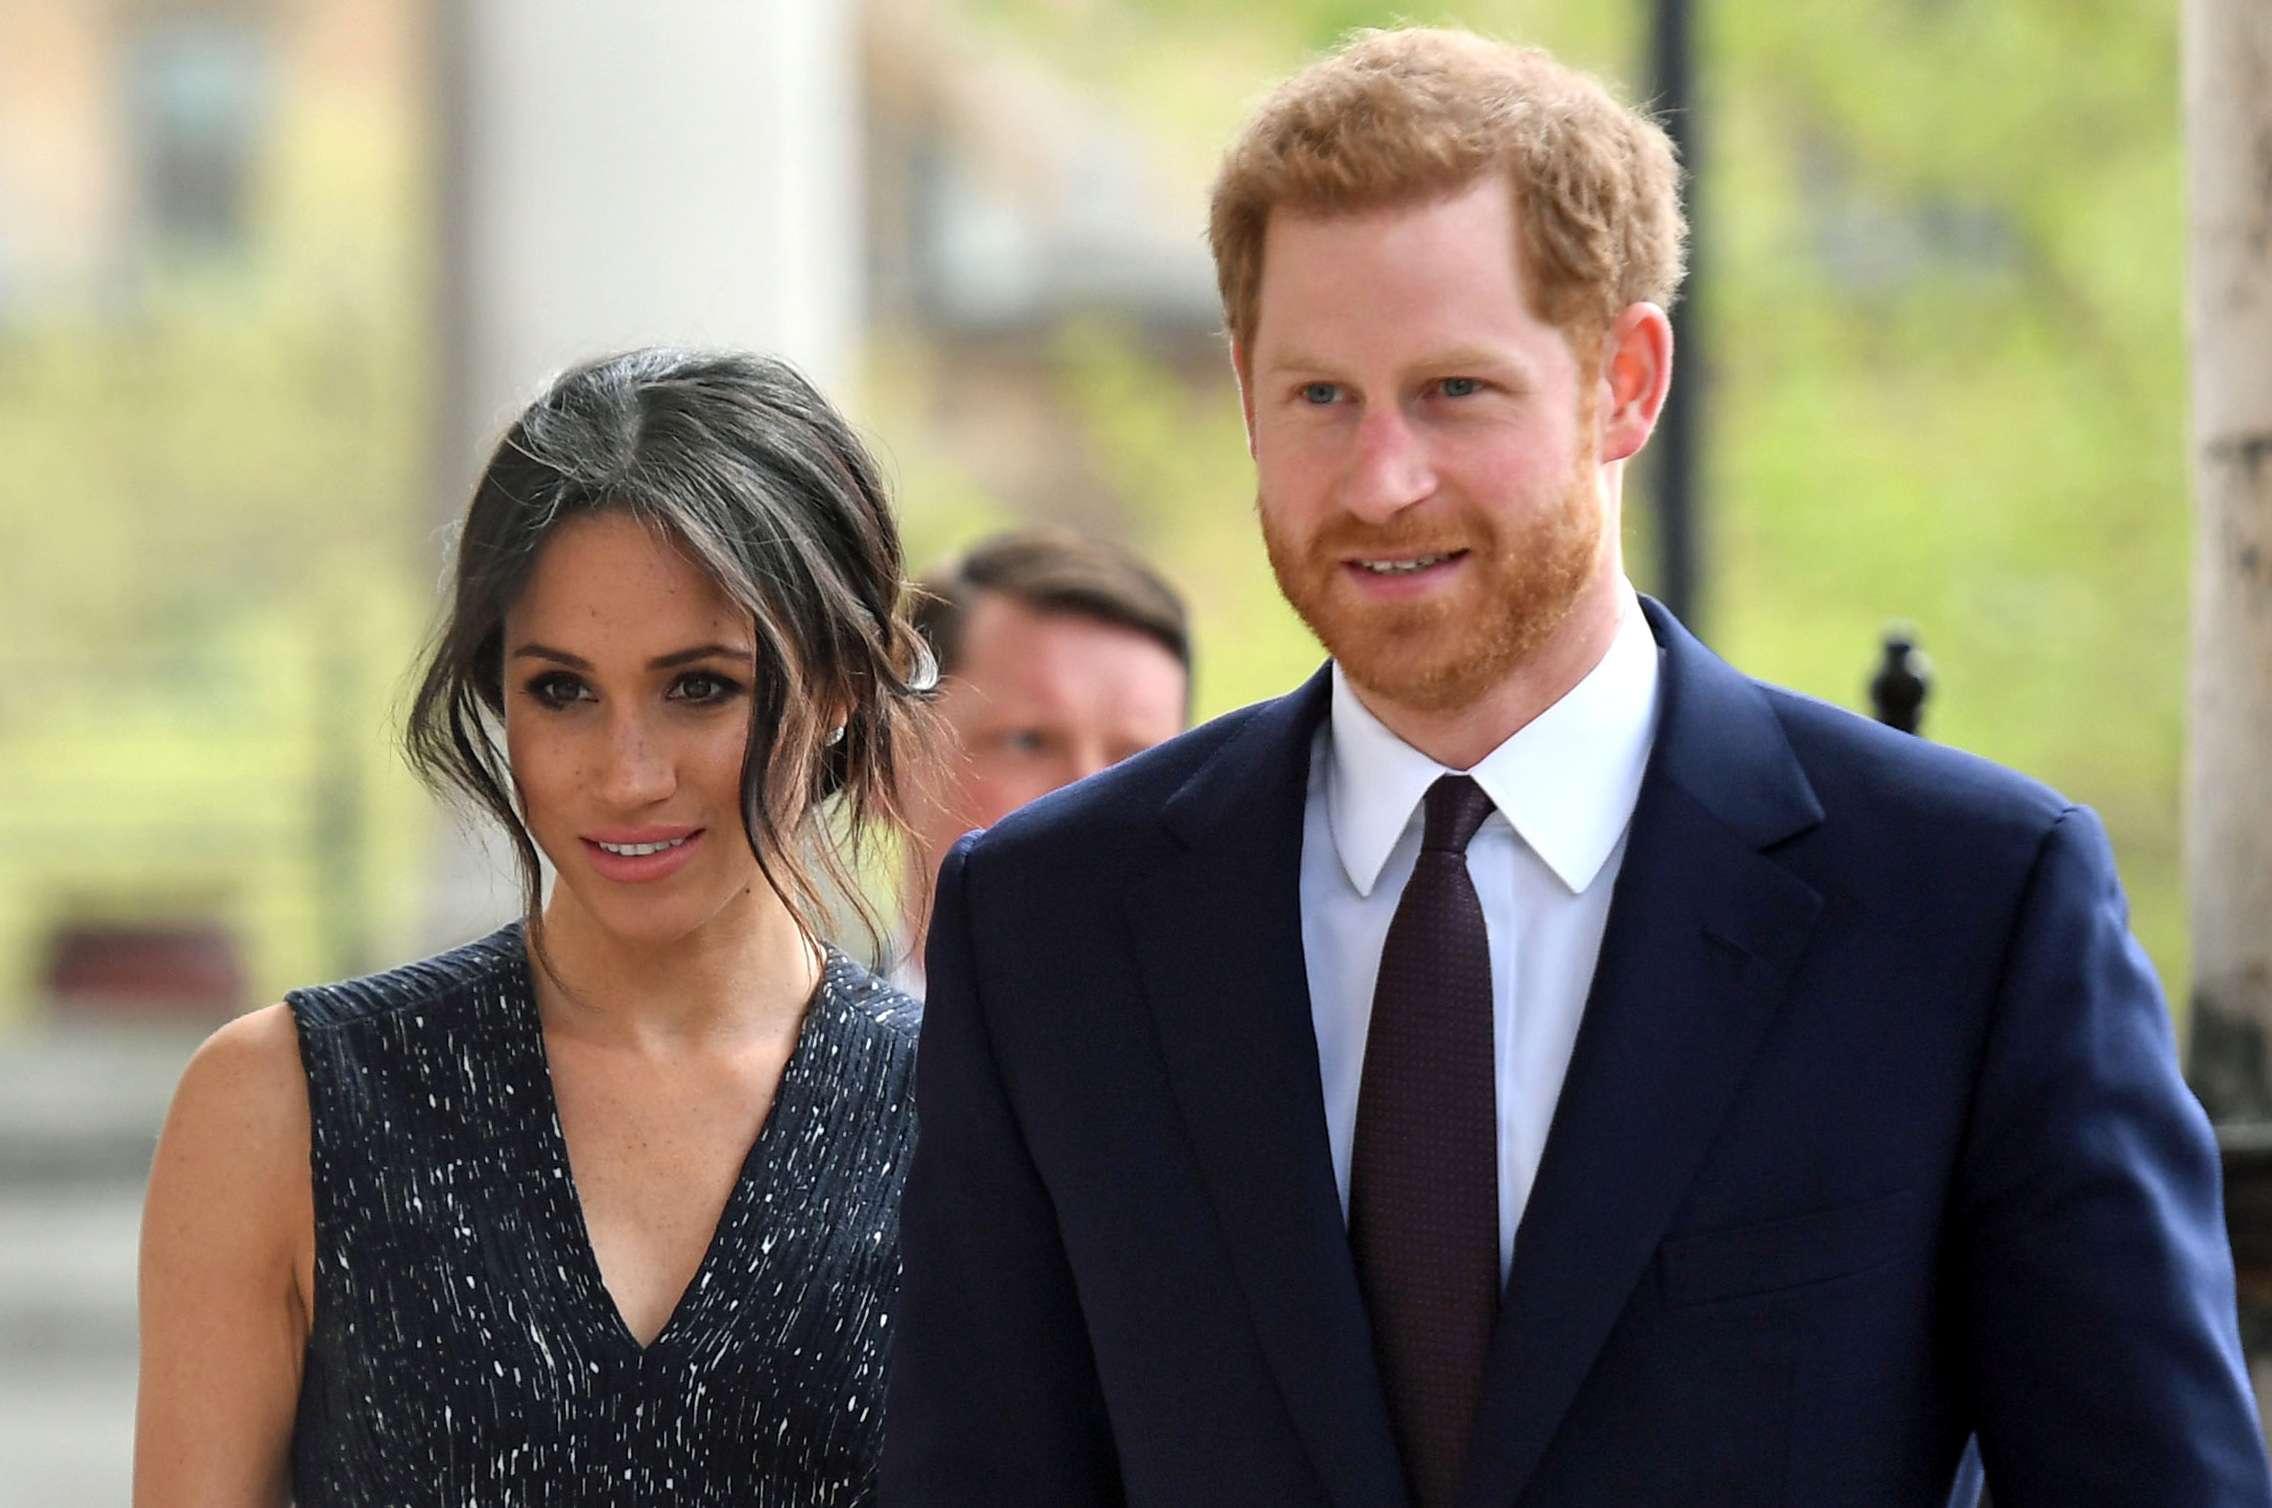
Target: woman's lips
(636, 856)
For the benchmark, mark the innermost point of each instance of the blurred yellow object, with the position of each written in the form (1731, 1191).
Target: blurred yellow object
(248, 783)
(215, 516)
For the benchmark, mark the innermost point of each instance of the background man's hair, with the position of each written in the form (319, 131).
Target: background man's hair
(1050, 570)
(1401, 117)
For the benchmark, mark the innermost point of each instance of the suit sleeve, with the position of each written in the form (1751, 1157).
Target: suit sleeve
(2092, 1270)
(993, 1397)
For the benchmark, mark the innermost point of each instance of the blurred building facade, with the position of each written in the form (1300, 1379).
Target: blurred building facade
(684, 173)
(1010, 206)
(213, 378)
(274, 274)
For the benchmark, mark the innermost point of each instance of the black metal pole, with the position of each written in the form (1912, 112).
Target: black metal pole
(1672, 95)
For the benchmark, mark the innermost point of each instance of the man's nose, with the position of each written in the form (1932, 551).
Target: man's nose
(1391, 469)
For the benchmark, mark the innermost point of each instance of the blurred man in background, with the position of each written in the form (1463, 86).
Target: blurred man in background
(1059, 655)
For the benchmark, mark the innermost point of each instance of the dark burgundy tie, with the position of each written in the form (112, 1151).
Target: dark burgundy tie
(1424, 1172)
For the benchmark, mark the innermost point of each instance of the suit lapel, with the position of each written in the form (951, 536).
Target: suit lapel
(1219, 931)
(1702, 937)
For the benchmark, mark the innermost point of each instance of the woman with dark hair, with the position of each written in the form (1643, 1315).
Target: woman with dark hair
(600, 1208)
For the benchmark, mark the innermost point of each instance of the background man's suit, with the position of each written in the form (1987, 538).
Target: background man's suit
(1872, 1138)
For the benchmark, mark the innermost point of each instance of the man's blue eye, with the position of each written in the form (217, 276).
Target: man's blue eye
(1460, 387)
(1320, 393)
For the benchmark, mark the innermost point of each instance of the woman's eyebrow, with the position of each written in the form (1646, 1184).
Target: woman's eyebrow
(661, 662)
(702, 652)
(547, 652)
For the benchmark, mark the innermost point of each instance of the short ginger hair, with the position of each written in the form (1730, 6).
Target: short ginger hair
(1407, 116)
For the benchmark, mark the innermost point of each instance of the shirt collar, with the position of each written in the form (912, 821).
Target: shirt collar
(1566, 781)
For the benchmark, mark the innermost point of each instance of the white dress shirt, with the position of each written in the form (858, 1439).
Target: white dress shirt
(1543, 864)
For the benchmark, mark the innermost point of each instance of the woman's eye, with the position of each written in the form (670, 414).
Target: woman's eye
(1459, 387)
(557, 688)
(703, 688)
(1319, 393)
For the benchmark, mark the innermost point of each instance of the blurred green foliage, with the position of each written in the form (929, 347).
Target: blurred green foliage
(215, 563)
(1940, 292)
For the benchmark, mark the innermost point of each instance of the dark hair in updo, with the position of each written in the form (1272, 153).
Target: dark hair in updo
(740, 462)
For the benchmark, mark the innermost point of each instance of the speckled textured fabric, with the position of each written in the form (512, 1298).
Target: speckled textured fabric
(464, 1349)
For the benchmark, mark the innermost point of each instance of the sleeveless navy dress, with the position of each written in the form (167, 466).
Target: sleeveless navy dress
(463, 1349)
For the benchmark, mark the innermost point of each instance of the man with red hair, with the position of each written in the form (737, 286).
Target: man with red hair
(1533, 1063)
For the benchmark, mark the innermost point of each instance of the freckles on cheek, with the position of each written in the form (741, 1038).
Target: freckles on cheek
(711, 785)
(543, 776)
(725, 766)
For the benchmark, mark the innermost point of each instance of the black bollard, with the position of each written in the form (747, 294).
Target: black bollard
(1904, 679)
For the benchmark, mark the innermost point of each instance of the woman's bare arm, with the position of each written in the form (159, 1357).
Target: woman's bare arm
(228, 1239)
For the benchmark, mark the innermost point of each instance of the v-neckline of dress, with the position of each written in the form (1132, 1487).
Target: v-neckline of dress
(603, 1314)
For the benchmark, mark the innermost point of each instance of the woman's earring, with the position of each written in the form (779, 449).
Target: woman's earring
(835, 736)
(925, 675)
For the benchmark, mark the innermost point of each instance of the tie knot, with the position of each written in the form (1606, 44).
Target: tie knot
(1455, 807)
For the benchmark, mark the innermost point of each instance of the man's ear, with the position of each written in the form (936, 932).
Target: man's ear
(1636, 373)
(1244, 373)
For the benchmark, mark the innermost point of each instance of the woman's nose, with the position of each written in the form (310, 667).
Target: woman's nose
(639, 770)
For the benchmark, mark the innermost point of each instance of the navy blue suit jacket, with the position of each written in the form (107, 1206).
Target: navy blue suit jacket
(1873, 1141)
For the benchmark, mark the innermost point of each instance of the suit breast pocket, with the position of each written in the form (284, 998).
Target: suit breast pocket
(1785, 1254)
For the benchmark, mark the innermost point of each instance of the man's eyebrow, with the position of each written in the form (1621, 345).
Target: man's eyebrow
(670, 661)
(1449, 356)
(1466, 356)
(1296, 361)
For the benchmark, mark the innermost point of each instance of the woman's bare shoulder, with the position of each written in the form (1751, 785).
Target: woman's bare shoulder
(227, 1247)
(250, 1066)
(240, 1117)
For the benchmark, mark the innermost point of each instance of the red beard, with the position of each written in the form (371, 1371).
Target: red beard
(1449, 648)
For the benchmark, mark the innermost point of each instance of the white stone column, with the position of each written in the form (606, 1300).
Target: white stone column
(2228, 106)
(614, 175)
